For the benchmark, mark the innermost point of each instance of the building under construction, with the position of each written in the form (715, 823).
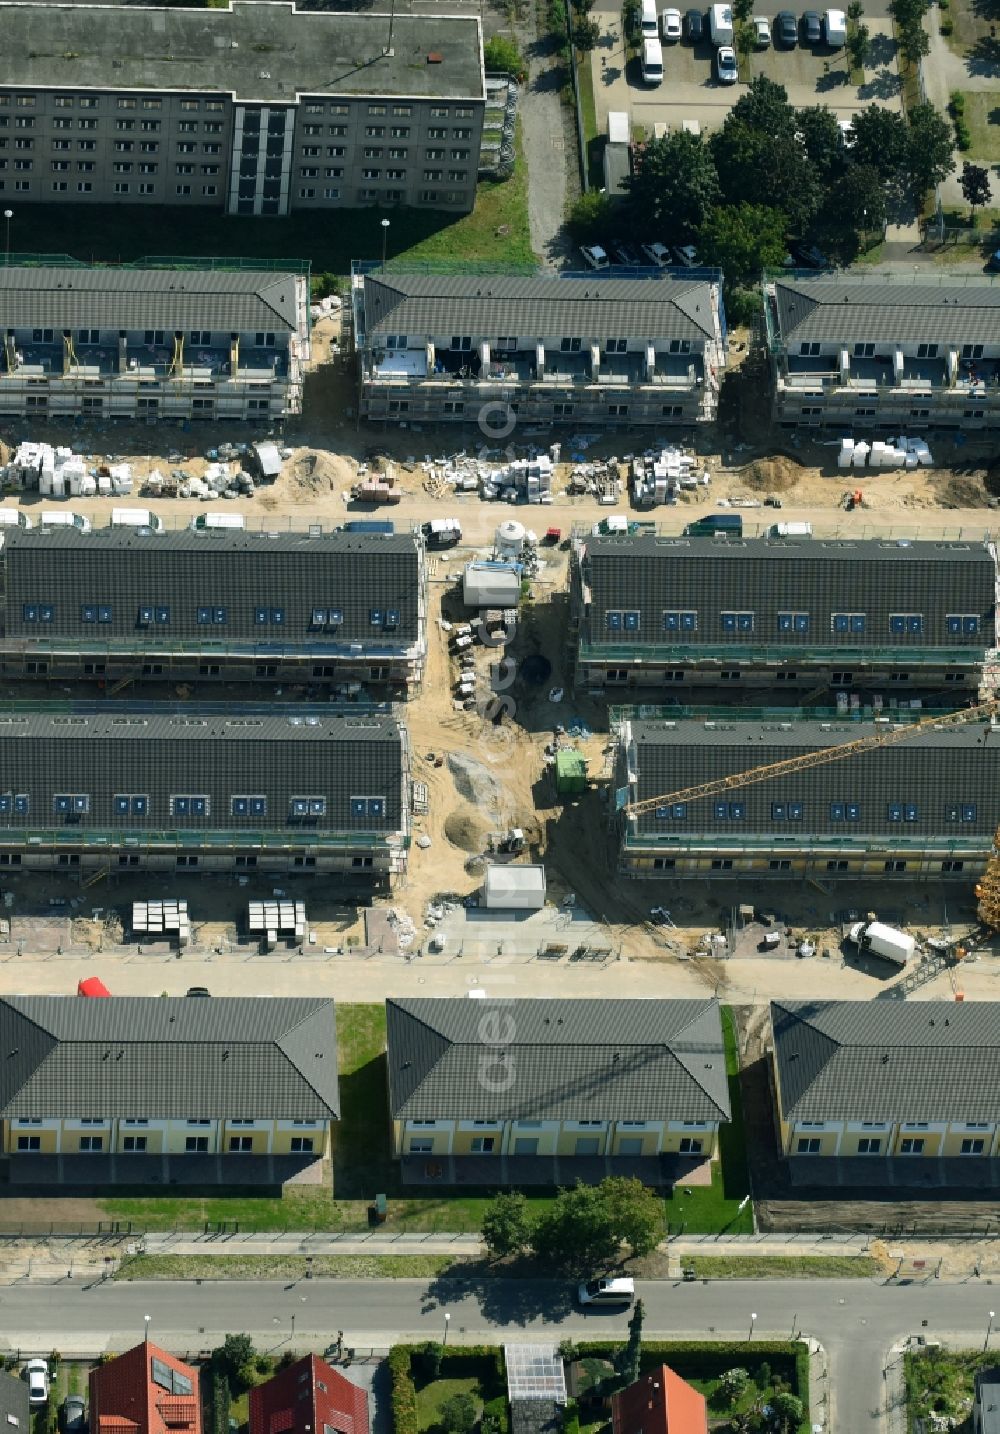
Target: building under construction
(125, 604)
(798, 617)
(919, 804)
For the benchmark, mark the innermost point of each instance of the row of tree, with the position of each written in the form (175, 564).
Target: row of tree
(773, 171)
(584, 1229)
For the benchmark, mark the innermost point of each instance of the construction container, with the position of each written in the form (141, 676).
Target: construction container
(571, 773)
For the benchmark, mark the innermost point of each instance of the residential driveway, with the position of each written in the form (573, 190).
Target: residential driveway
(690, 91)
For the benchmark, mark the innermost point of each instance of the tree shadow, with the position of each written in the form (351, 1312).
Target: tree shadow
(832, 80)
(881, 50)
(501, 1298)
(984, 57)
(610, 74)
(882, 86)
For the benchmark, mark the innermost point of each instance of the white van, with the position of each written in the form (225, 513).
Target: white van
(217, 520)
(790, 530)
(720, 24)
(135, 518)
(648, 25)
(14, 518)
(60, 518)
(652, 62)
(618, 1291)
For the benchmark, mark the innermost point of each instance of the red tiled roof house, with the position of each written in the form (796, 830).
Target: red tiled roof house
(661, 1402)
(145, 1391)
(309, 1397)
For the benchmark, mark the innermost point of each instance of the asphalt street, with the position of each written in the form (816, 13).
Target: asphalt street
(857, 1321)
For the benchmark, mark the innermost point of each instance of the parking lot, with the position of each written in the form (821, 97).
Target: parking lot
(691, 95)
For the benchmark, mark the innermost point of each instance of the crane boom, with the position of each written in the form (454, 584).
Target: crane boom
(805, 760)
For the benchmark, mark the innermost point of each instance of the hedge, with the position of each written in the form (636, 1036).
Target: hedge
(404, 1394)
(695, 1359)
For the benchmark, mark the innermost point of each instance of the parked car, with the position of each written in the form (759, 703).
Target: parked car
(786, 30)
(810, 256)
(36, 1372)
(694, 27)
(657, 254)
(625, 254)
(595, 256)
(812, 28)
(847, 135)
(993, 262)
(670, 26)
(73, 1415)
(726, 68)
(686, 255)
(198, 991)
(761, 32)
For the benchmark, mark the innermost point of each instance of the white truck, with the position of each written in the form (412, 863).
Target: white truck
(885, 941)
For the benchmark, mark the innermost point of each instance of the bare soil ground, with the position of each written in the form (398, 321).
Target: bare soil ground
(572, 839)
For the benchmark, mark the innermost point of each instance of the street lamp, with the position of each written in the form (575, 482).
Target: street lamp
(293, 1326)
(385, 236)
(146, 1319)
(989, 1329)
(8, 215)
(753, 1321)
(447, 1322)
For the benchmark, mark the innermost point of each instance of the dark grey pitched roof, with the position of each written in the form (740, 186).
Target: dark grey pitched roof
(836, 309)
(556, 1060)
(221, 757)
(818, 577)
(168, 1058)
(494, 304)
(937, 772)
(888, 1060)
(987, 1388)
(535, 1416)
(14, 1408)
(237, 571)
(272, 51)
(222, 300)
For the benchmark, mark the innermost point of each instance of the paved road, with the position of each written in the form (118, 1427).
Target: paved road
(857, 1321)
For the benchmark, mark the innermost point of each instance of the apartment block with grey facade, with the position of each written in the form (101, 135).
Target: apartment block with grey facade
(256, 108)
(155, 343)
(923, 806)
(557, 349)
(312, 791)
(884, 353)
(791, 617)
(120, 603)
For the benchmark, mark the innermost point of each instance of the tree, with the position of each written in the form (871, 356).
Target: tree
(787, 1410)
(975, 181)
(576, 1231)
(881, 142)
(458, 1415)
(751, 156)
(674, 187)
(637, 1212)
(914, 43)
(234, 1360)
(586, 33)
(743, 239)
(501, 53)
(506, 1225)
(628, 1358)
(631, 19)
(855, 11)
(819, 135)
(591, 217)
(734, 1384)
(931, 149)
(765, 107)
(859, 46)
(856, 202)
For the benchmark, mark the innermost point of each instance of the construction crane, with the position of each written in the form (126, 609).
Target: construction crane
(988, 890)
(886, 736)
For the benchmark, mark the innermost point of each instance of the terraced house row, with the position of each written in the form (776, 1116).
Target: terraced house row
(484, 1092)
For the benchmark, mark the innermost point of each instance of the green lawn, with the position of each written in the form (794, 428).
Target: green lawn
(593, 142)
(433, 1395)
(982, 115)
(782, 1267)
(704, 1209)
(287, 1267)
(496, 232)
